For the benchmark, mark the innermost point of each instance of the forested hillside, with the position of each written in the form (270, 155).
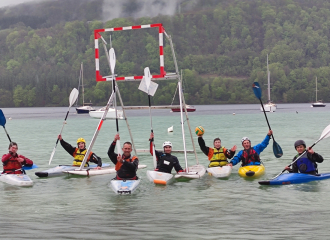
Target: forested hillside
(221, 46)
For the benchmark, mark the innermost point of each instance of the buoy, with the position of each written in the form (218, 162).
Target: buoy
(9, 118)
(234, 113)
(170, 129)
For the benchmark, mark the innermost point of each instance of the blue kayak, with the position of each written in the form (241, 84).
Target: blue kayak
(295, 178)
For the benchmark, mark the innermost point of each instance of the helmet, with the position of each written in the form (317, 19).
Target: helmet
(299, 142)
(245, 138)
(167, 143)
(81, 140)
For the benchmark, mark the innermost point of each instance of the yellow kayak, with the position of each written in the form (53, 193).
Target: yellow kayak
(253, 171)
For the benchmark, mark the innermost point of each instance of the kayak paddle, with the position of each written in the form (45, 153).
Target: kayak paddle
(276, 148)
(73, 97)
(150, 88)
(112, 57)
(324, 134)
(3, 123)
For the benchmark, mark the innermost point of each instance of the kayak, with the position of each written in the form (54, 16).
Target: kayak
(59, 170)
(252, 171)
(196, 171)
(219, 172)
(295, 178)
(92, 172)
(124, 186)
(22, 180)
(159, 177)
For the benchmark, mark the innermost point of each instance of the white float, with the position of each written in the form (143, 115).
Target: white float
(219, 172)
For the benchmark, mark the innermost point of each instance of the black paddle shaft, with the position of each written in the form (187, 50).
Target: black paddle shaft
(263, 109)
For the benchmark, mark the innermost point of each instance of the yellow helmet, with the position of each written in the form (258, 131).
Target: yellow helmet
(81, 140)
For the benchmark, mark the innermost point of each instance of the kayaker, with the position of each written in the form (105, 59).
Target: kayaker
(79, 153)
(217, 155)
(165, 160)
(250, 155)
(307, 162)
(126, 165)
(13, 162)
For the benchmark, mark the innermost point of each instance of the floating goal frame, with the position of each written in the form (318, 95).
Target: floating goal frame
(97, 36)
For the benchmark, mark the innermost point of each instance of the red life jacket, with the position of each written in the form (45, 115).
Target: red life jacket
(12, 166)
(249, 156)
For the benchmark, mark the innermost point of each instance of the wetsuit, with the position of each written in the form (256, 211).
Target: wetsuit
(11, 165)
(217, 157)
(73, 151)
(250, 154)
(127, 169)
(307, 163)
(166, 162)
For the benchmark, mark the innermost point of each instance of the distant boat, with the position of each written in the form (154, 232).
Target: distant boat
(318, 103)
(189, 109)
(110, 115)
(269, 106)
(86, 107)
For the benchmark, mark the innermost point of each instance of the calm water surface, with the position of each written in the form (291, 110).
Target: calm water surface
(208, 208)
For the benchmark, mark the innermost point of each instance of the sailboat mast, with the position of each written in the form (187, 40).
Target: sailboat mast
(82, 82)
(268, 73)
(316, 89)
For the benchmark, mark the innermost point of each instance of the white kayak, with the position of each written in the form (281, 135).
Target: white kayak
(196, 171)
(124, 186)
(159, 177)
(92, 172)
(59, 170)
(22, 180)
(219, 172)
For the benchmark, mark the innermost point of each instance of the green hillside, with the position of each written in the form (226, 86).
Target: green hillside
(221, 46)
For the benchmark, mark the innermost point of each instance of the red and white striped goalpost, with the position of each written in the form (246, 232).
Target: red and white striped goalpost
(97, 35)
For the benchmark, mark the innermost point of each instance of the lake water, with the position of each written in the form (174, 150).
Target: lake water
(207, 208)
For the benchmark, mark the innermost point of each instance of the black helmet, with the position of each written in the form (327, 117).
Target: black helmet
(298, 143)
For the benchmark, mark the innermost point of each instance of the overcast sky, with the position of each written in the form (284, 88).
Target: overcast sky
(4, 3)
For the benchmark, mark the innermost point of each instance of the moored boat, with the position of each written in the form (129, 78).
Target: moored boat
(110, 115)
(189, 109)
(123, 187)
(21, 180)
(269, 106)
(84, 109)
(295, 178)
(252, 171)
(159, 177)
(219, 172)
(318, 103)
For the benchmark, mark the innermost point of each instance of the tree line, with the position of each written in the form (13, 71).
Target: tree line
(221, 48)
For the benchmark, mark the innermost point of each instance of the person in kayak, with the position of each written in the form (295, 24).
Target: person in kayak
(165, 160)
(250, 155)
(79, 153)
(217, 155)
(13, 162)
(307, 163)
(126, 165)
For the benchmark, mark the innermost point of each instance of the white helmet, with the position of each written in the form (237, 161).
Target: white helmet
(167, 143)
(245, 138)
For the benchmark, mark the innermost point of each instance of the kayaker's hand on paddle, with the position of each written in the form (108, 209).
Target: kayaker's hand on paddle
(287, 168)
(20, 160)
(270, 132)
(230, 164)
(60, 137)
(98, 168)
(116, 137)
(233, 149)
(151, 136)
(310, 150)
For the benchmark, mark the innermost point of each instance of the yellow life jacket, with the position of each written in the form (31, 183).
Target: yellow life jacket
(217, 157)
(79, 157)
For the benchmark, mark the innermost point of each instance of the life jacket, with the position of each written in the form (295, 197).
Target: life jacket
(250, 156)
(13, 166)
(217, 157)
(119, 163)
(79, 157)
(305, 165)
(165, 163)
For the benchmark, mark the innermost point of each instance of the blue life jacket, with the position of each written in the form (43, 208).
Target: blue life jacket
(305, 165)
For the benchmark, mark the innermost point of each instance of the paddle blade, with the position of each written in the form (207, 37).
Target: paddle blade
(119, 151)
(147, 76)
(152, 87)
(73, 96)
(2, 119)
(30, 167)
(326, 132)
(256, 89)
(154, 159)
(277, 150)
(112, 57)
(52, 155)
